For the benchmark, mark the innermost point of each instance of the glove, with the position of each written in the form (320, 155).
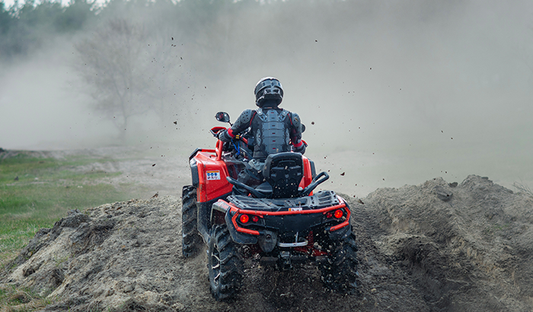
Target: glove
(223, 136)
(300, 149)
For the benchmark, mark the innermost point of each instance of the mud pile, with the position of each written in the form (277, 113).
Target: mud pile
(465, 247)
(437, 246)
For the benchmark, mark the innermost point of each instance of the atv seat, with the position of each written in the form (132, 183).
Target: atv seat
(284, 171)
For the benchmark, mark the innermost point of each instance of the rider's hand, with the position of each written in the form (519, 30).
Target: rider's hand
(223, 136)
(300, 149)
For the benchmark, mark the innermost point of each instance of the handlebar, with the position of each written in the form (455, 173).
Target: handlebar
(319, 179)
(248, 188)
(216, 130)
(234, 144)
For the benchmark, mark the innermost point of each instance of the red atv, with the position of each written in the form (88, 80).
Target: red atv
(281, 221)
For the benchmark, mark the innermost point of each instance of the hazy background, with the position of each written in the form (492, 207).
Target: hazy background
(391, 92)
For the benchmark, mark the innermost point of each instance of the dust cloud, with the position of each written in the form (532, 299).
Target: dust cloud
(391, 93)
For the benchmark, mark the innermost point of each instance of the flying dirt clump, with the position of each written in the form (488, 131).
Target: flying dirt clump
(437, 246)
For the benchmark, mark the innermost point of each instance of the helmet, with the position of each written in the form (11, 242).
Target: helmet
(268, 89)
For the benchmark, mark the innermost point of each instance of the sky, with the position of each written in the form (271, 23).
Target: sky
(401, 93)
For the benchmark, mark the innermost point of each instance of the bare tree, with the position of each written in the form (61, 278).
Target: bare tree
(122, 69)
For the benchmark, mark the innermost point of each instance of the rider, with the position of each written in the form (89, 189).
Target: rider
(273, 129)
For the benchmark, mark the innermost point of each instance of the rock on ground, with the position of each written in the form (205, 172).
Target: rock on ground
(437, 246)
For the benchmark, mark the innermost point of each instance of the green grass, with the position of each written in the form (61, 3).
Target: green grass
(21, 299)
(36, 192)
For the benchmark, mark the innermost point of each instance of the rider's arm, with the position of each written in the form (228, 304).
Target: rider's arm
(243, 122)
(296, 134)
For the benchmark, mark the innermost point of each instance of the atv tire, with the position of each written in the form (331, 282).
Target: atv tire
(225, 264)
(190, 237)
(339, 272)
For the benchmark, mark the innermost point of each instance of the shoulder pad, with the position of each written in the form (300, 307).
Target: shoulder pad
(296, 120)
(244, 119)
(247, 114)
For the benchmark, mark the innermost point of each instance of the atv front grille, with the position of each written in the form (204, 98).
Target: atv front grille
(320, 199)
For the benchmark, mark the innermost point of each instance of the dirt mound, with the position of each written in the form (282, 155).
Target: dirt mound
(468, 246)
(431, 247)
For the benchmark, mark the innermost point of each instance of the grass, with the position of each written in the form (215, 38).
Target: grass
(36, 192)
(21, 299)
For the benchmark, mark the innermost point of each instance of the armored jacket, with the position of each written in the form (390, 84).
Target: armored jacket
(273, 130)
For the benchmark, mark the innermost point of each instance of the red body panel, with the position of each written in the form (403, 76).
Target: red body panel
(308, 177)
(212, 173)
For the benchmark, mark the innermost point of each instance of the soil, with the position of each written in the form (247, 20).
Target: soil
(437, 246)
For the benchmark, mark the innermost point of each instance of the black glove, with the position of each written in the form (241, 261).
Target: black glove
(223, 136)
(300, 149)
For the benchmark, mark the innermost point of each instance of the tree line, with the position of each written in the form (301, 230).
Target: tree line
(24, 27)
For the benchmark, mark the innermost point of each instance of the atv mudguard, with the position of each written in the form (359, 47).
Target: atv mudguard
(239, 238)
